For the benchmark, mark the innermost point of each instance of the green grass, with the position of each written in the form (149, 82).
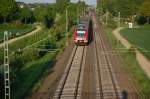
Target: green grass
(139, 37)
(22, 43)
(34, 72)
(137, 75)
(15, 30)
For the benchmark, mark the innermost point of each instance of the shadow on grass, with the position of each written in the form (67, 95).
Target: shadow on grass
(1, 85)
(31, 75)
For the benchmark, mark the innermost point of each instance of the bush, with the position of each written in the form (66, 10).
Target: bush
(29, 55)
(141, 20)
(112, 24)
(19, 58)
(16, 62)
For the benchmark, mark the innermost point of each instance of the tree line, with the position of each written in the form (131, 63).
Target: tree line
(10, 11)
(127, 8)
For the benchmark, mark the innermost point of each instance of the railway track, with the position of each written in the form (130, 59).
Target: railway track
(107, 86)
(71, 81)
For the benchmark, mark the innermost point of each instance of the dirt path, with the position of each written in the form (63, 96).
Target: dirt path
(21, 37)
(142, 60)
(120, 38)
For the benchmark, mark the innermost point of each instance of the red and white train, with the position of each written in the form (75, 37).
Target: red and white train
(81, 33)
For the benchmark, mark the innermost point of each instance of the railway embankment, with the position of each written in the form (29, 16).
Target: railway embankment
(143, 61)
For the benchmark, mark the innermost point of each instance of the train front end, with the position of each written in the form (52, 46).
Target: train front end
(81, 35)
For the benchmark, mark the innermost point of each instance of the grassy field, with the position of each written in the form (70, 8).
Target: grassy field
(15, 30)
(139, 37)
(132, 67)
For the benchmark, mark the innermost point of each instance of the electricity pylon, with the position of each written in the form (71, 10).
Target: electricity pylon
(6, 67)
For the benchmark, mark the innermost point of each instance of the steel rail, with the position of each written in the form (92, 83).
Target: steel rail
(108, 62)
(72, 66)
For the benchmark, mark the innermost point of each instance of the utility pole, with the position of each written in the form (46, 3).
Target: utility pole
(101, 14)
(6, 67)
(107, 17)
(67, 39)
(84, 11)
(118, 19)
(78, 16)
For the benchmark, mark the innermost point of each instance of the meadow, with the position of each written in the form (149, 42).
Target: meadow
(139, 38)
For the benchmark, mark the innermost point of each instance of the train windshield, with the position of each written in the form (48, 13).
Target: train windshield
(81, 30)
(81, 34)
(81, 27)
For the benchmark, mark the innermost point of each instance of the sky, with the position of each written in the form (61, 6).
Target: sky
(37, 1)
(90, 2)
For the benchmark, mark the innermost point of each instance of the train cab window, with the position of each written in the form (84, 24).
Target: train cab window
(81, 28)
(80, 34)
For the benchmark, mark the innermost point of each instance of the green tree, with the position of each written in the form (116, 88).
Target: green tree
(50, 16)
(25, 14)
(81, 7)
(57, 1)
(72, 14)
(126, 8)
(40, 13)
(109, 5)
(51, 13)
(61, 6)
(7, 7)
(145, 10)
